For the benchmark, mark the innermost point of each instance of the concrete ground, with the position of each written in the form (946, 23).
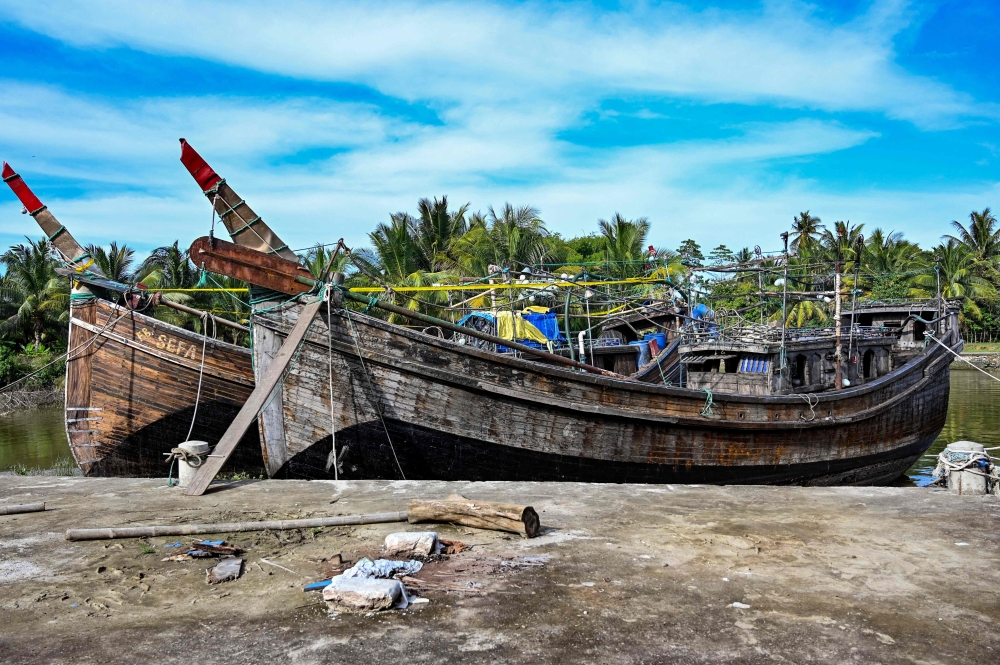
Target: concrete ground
(623, 574)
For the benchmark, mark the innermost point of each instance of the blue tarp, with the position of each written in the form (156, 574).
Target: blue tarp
(548, 323)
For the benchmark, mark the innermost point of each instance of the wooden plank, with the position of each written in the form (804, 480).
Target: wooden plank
(257, 400)
(267, 344)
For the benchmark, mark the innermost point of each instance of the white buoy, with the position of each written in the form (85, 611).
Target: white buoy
(186, 470)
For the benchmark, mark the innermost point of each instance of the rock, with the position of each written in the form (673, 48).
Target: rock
(229, 568)
(407, 544)
(360, 594)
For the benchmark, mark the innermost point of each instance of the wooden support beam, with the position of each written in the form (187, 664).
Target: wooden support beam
(257, 400)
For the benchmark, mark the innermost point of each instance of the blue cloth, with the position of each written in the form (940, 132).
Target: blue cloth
(548, 323)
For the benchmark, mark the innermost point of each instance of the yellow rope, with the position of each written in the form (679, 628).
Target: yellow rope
(450, 287)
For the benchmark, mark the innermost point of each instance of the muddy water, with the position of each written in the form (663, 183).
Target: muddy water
(33, 439)
(973, 415)
(36, 439)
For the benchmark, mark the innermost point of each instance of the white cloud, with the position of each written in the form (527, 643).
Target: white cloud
(475, 52)
(505, 82)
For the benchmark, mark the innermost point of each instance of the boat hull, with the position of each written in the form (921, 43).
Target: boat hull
(405, 404)
(131, 389)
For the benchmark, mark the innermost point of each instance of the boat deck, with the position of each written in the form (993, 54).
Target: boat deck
(635, 573)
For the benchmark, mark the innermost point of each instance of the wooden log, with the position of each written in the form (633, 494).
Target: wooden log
(457, 509)
(22, 508)
(111, 533)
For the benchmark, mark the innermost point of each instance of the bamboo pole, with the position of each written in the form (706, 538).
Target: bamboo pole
(111, 533)
(22, 508)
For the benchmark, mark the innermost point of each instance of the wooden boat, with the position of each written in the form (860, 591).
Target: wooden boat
(134, 383)
(363, 398)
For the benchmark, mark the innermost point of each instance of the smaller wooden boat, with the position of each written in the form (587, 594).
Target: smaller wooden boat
(137, 386)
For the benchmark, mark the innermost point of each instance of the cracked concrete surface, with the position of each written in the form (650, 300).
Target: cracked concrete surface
(634, 574)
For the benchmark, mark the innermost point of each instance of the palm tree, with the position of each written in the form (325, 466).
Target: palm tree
(508, 238)
(435, 232)
(317, 260)
(805, 230)
(167, 267)
(624, 244)
(956, 267)
(114, 262)
(981, 239)
(37, 296)
(397, 255)
(887, 259)
(841, 242)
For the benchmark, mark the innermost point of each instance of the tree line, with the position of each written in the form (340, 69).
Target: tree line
(440, 244)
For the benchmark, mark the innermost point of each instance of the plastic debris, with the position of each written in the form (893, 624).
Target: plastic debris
(381, 568)
(407, 543)
(365, 594)
(317, 586)
(741, 606)
(177, 544)
(227, 569)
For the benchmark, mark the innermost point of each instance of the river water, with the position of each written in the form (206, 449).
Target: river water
(37, 440)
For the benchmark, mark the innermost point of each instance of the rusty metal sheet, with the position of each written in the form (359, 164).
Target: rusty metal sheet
(251, 266)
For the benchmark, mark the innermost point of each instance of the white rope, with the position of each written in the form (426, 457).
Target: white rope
(969, 363)
(201, 370)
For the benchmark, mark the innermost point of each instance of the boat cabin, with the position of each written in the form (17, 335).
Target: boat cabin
(753, 366)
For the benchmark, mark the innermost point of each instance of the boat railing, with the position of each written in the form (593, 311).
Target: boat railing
(758, 335)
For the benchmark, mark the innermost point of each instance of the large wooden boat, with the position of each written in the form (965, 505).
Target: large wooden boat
(364, 398)
(408, 404)
(134, 383)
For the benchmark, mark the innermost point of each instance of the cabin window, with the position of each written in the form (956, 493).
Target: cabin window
(919, 327)
(799, 370)
(754, 364)
(868, 365)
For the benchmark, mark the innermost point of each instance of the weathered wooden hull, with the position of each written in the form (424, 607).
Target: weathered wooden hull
(130, 393)
(457, 413)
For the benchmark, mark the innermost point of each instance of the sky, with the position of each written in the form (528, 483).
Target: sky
(717, 121)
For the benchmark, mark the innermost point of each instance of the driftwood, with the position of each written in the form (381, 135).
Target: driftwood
(230, 527)
(480, 514)
(22, 508)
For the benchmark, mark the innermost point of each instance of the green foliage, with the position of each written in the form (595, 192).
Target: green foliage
(34, 300)
(690, 253)
(722, 255)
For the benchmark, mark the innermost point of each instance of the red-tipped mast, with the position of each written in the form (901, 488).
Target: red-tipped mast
(73, 254)
(21, 190)
(245, 227)
(204, 175)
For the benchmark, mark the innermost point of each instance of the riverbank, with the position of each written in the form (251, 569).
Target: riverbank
(622, 573)
(982, 359)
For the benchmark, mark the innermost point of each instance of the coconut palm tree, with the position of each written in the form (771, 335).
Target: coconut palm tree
(35, 296)
(168, 267)
(957, 270)
(981, 239)
(435, 231)
(805, 230)
(509, 238)
(624, 244)
(114, 262)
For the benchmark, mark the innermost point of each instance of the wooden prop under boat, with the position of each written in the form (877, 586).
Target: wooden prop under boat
(132, 381)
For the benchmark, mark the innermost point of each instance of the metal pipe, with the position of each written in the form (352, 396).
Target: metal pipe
(402, 311)
(199, 313)
(112, 533)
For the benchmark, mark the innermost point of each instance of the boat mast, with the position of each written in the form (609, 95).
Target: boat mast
(72, 252)
(784, 307)
(245, 227)
(838, 380)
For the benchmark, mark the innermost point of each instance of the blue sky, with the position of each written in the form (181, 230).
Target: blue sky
(717, 121)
